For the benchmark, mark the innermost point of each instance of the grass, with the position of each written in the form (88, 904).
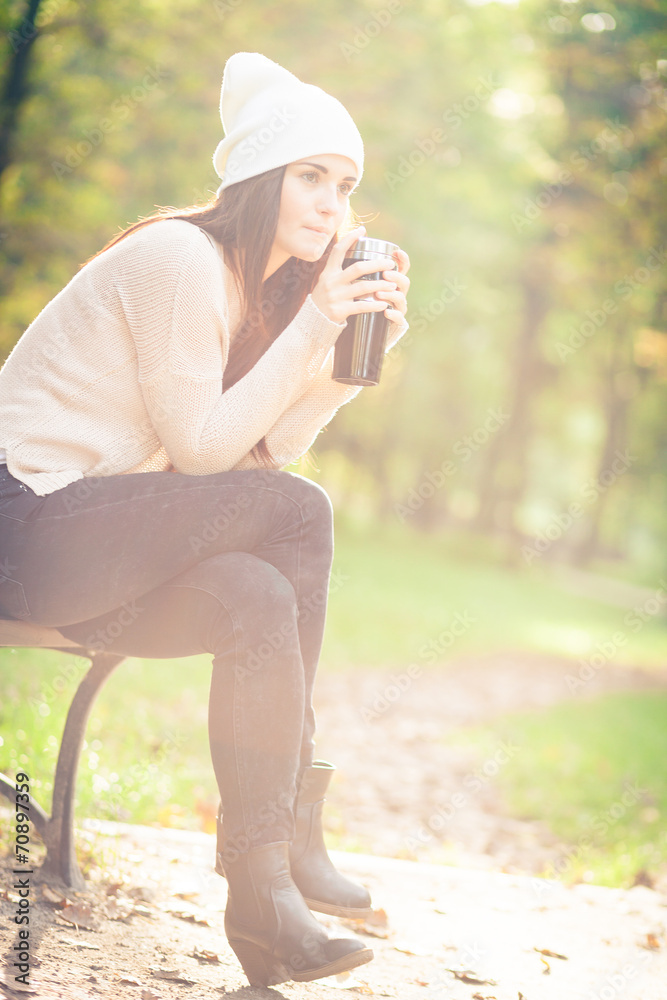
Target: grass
(594, 772)
(397, 598)
(397, 593)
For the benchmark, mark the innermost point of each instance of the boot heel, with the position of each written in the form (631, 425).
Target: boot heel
(260, 968)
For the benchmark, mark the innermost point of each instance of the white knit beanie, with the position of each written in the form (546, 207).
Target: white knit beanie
(271, 119)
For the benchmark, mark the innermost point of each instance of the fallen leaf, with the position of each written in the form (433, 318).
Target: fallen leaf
(368, 927)
(173, 975)
(411, 950)
(53, 896)
(550, 954)
(80, 915)
(482, 996)
(373, 926)
(149, 995)
(187, 896)
(468, 976)
(370, 931)
(378, 918)
(144, 892)
(547, 970)
(344, 981)
(521, 997)
(80, 944)
(205, 956)
(652, 942)
(113, 888)
(130, 981)
(192, 918)
(116, 909)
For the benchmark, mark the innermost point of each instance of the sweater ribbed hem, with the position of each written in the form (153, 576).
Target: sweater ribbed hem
(318, 326)
(43, 483)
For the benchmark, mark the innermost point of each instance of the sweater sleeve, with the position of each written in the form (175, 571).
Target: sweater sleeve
(296, 429)
(182, 360)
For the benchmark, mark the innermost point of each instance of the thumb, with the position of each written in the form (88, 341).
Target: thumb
(337, 255)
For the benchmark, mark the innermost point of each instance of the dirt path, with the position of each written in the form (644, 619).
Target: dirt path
(150, 924)
(403, 790)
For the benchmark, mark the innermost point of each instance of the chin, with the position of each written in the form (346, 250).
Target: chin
(312, 250)
(310, 256)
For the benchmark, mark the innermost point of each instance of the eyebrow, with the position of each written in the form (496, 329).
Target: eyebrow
(325, 170)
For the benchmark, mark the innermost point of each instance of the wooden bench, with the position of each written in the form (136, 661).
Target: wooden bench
(57, 830)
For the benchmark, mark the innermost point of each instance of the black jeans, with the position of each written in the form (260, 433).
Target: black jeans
(159, 564)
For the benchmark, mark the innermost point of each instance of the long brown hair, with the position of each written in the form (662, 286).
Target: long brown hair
(244, 219)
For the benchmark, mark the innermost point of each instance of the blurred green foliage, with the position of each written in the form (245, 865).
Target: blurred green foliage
(518, 151)
(592, 771)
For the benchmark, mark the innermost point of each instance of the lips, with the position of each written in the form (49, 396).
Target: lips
(321, 232)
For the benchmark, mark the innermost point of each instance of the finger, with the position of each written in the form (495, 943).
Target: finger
(363, 267)
(394, 316)
(395, 298)
(359, 288)
(366, 306)
(402, 260)
(338, 253)
(400, 308)
(398, 279)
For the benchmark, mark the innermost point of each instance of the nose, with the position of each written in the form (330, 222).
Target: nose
(328, 200)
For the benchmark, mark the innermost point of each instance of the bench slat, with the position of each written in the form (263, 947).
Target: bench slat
(15, 633)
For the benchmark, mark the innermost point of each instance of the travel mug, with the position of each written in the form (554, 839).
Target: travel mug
(360, 346)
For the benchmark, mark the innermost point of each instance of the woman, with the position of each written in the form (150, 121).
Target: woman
(144, 416)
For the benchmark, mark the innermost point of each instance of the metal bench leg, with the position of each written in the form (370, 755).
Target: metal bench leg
(58, 835)
(38, 817)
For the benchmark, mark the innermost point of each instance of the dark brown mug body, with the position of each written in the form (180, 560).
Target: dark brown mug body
(360, 347)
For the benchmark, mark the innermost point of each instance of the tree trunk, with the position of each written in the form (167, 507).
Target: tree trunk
(503, 477)
(15, 89)
(615, 409)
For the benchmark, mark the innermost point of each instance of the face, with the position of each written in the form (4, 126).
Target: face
(313, 203)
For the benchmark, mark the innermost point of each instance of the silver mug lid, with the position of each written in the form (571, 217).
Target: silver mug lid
(366, 248)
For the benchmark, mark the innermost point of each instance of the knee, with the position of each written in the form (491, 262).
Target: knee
(318, 505)
(241, 579)
(254, 603)
(259, 596)
(270, 593)
(313, 501)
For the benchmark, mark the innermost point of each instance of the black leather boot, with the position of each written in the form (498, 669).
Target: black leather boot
(323, 888)
(270, 928)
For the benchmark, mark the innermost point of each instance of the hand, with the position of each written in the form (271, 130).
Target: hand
(337, 288)
(397, 297)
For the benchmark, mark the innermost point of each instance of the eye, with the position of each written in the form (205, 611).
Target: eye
(311, 176)
(345, 188)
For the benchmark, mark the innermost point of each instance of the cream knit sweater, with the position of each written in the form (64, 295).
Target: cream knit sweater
(123, 370)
